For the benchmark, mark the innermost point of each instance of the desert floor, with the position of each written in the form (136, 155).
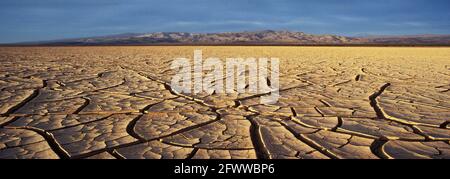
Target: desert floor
(116, 102)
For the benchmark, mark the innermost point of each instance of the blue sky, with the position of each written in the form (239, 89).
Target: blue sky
(32, 20)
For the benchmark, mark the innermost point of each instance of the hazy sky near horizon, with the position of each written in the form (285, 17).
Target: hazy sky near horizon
(34, 20)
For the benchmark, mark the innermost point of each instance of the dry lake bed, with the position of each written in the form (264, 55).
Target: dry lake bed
(117, 102)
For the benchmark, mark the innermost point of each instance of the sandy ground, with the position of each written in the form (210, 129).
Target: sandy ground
(116, 102)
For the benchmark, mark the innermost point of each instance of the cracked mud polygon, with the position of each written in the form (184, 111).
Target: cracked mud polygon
(116, 102)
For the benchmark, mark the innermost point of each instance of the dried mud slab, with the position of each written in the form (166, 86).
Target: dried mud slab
(98, 135)
(342, 145)
(24, 144)
(417, 150)
(103, 155)
(435, 133)
(155, 150)
(117, 102)
(10, 99)
(155, 125)
(280, 143)
(51, 102)
(231, 132)
(224, 154)
(5, 120)
(379, 129)
(54, 122)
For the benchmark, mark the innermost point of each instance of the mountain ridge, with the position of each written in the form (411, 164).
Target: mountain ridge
(264, 37)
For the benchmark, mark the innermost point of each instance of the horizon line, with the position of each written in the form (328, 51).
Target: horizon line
(368, 35)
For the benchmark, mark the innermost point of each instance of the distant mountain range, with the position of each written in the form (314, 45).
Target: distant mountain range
(266, 37)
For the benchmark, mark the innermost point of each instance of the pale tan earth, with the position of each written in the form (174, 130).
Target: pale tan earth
(116, 102)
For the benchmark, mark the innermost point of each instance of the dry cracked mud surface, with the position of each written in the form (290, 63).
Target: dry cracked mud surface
(116, 102)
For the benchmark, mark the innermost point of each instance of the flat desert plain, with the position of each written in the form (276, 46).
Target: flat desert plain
(117, 102)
